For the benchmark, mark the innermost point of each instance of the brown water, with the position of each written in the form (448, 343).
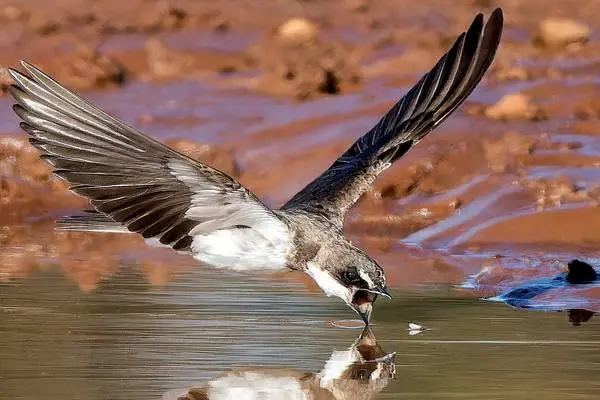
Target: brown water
(128, 340)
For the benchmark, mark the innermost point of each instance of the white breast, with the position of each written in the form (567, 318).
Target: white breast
(242, 249)
(255, 386)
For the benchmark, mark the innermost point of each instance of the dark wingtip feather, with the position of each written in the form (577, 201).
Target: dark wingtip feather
(428, 103)
(494, 28)
(431, 101)
(477, 23)
(497, 16)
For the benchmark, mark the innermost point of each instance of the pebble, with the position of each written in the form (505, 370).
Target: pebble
(562, 32)
(512, 106)
(298, 30)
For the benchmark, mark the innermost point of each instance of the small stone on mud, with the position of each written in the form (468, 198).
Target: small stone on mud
(580, 272)
(92, 69)
(13, 13)
(303, 68)
(298, 30)
(358, 5)
(562, 33)
(455, 204)
(553, 192)
(513, 106)
(163, 16)
(164, 62)
(508, 153)
(512, 74)
(42, 25)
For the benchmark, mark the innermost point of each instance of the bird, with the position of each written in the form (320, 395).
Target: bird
(357, 373)
(138, 185)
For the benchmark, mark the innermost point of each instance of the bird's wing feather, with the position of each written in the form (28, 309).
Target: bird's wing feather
(90, 221)
(437, 94)
(134, 180)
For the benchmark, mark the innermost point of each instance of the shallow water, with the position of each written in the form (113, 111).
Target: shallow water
(128, 340)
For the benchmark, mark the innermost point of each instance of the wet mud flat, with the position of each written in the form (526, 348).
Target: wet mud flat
(505, 192)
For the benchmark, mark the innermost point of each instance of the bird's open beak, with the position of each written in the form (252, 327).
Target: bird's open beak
(364, 311)
(384, 292)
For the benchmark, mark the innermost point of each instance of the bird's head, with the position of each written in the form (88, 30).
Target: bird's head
(347, 272)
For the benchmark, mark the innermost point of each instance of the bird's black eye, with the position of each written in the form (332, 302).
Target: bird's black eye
(351, 276)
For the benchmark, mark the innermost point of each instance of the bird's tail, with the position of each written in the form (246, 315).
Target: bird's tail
(90, 221)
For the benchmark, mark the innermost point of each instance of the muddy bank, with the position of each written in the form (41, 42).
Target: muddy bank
(514, 173)
(298, 49)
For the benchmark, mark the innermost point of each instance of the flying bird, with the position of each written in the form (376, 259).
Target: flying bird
(136, 184)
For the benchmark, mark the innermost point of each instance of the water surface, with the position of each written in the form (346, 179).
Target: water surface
(128, 340)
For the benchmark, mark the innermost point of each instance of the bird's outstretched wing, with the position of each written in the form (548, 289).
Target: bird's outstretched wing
(130, 178)
(437, 94)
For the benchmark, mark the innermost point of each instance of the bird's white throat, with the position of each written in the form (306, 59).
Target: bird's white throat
(329, 285)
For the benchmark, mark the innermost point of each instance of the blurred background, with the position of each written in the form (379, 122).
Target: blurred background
(500, 197)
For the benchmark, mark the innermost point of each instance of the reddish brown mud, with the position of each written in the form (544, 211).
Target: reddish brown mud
(272, 91)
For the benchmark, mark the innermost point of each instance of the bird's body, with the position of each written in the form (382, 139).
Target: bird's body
(136, 184)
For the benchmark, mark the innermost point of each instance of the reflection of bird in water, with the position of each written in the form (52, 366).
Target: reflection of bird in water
(136, 184)
(358, 373)
(578, 316)
(578, 273)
